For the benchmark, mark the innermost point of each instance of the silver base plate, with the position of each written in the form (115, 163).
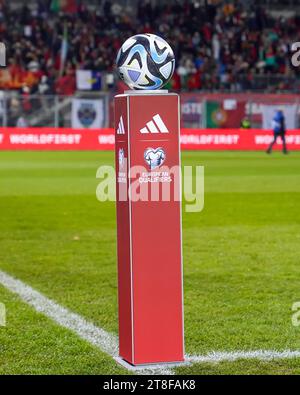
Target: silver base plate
(128, 365)
(146, 92)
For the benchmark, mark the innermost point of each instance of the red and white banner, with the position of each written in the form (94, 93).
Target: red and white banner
(235, 139)
(56, 139)
(104, 139)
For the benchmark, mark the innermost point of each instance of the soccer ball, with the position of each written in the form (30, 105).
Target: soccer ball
(145, 61)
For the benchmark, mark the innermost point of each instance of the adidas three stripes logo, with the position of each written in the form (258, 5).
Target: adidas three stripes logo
(121, 129)
(156, 125)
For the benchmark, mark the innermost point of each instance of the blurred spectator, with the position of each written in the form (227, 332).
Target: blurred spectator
(246, 123)
(21, 122)
(44, 87)
(218, 44)
(66, 84)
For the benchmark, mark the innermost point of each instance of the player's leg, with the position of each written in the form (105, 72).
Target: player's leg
(269, 150)
(284, 147)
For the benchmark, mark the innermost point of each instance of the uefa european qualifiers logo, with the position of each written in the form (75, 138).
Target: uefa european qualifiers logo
(153, 182)
(122, 174)
(121, 158)
(154, 157)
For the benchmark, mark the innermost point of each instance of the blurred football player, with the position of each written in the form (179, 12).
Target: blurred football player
(279, 130)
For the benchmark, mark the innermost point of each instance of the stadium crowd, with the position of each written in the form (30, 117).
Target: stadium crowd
(219, 45)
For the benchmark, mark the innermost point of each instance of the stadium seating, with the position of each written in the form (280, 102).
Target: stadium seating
(227, 46)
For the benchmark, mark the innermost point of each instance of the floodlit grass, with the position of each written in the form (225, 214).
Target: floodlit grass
(241, 259)
(33, 344)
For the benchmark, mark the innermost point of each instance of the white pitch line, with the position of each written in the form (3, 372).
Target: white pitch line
(105, 341)
(108, 343)
(262, 355)
(64, 317)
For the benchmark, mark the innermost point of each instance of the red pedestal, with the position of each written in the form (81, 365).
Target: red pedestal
(149, 230)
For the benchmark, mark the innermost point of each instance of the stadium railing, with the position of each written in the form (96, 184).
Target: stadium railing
(17, 110)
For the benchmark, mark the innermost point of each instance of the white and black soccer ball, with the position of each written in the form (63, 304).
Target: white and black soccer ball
(145, 61)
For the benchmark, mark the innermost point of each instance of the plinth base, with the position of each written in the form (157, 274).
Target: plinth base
(162, 365)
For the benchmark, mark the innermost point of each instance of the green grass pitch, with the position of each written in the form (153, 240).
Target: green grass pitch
(241, 260)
